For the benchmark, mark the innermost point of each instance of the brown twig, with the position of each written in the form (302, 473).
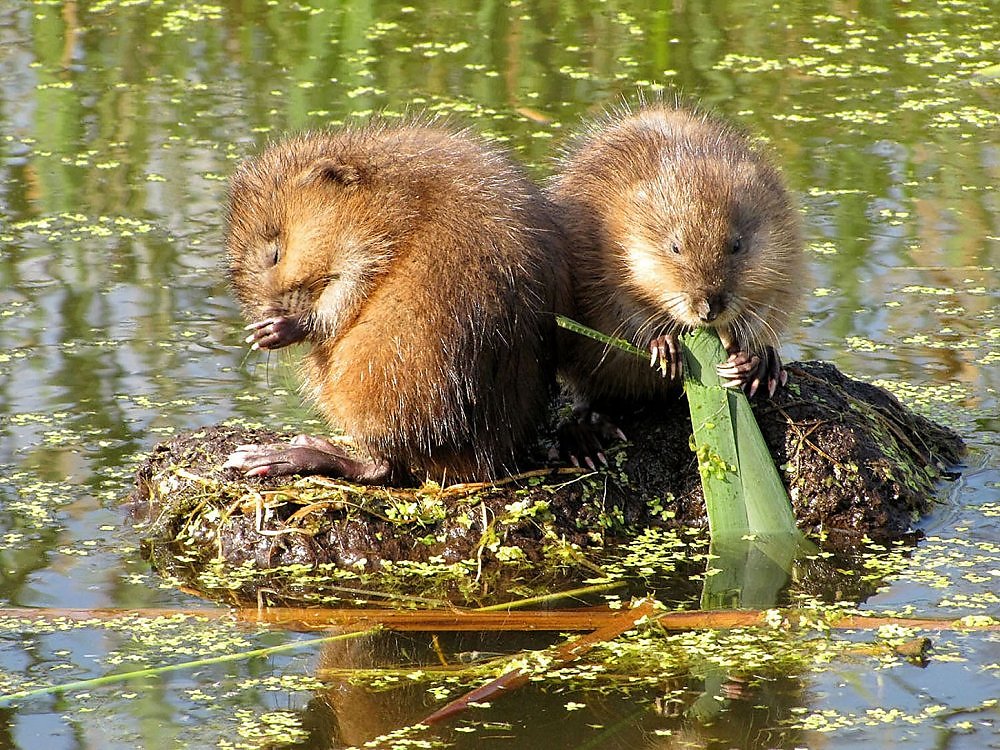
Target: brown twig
(566, 652)
(455, 620)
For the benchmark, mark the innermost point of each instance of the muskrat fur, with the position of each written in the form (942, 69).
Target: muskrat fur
(675, 220)
(424, 270)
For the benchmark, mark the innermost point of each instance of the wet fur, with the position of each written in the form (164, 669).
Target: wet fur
(425, 269)
(628, 190)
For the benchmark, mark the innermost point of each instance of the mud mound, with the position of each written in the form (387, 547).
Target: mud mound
(856, 463)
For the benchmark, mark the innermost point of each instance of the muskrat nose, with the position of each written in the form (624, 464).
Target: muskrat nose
(709, 307)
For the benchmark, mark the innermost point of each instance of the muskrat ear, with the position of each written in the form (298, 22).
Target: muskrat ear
(336, 171)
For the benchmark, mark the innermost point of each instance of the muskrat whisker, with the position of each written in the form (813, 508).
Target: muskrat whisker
(658, 321)
(765, 327)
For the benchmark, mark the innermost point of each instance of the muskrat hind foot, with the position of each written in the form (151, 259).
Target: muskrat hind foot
(275, 332)
(304, 455)
(584, 437)
(665, 353)
(748, 370)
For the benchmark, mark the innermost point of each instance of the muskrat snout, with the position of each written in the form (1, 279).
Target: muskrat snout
(709, 307)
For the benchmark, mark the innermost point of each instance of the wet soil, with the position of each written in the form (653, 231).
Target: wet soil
(856, 463)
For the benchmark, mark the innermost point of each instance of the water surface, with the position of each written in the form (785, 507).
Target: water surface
(119, 122)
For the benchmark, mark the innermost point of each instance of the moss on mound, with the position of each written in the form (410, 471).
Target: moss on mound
(856, 463)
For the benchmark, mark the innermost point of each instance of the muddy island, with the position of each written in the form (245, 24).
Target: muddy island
(856, 462)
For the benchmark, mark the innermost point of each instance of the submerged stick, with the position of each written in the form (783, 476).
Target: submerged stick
(570, 620)
(303, 619)
(565, 652)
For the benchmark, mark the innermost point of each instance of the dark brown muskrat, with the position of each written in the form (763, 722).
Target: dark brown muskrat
(675, 220)
(424, 270)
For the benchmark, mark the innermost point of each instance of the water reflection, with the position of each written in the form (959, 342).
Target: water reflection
(119, 122)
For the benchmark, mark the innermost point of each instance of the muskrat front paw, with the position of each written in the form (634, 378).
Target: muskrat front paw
(748, 370)
(275, 332)
(665, 353)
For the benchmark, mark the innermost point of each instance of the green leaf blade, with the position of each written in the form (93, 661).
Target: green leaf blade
(753, 500)
(714, 436)
(768, 507)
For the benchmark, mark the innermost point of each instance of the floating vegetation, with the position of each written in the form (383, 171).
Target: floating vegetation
(631, 649)
(74, 227)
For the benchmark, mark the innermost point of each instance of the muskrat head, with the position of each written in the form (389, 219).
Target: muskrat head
(706, 245)
(305, 238)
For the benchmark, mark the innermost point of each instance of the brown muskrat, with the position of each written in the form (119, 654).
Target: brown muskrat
(424, 270)
(675, 220)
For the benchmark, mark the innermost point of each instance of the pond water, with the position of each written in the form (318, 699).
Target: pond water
(119, 123)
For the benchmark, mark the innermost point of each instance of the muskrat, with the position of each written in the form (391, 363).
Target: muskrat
(424, 270)
(675, 220)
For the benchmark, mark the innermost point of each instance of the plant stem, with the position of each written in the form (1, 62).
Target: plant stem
(549, 598)
(153, 671)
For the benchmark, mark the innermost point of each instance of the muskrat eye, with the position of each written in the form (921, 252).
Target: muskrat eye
(736, 246)
(272, 252)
